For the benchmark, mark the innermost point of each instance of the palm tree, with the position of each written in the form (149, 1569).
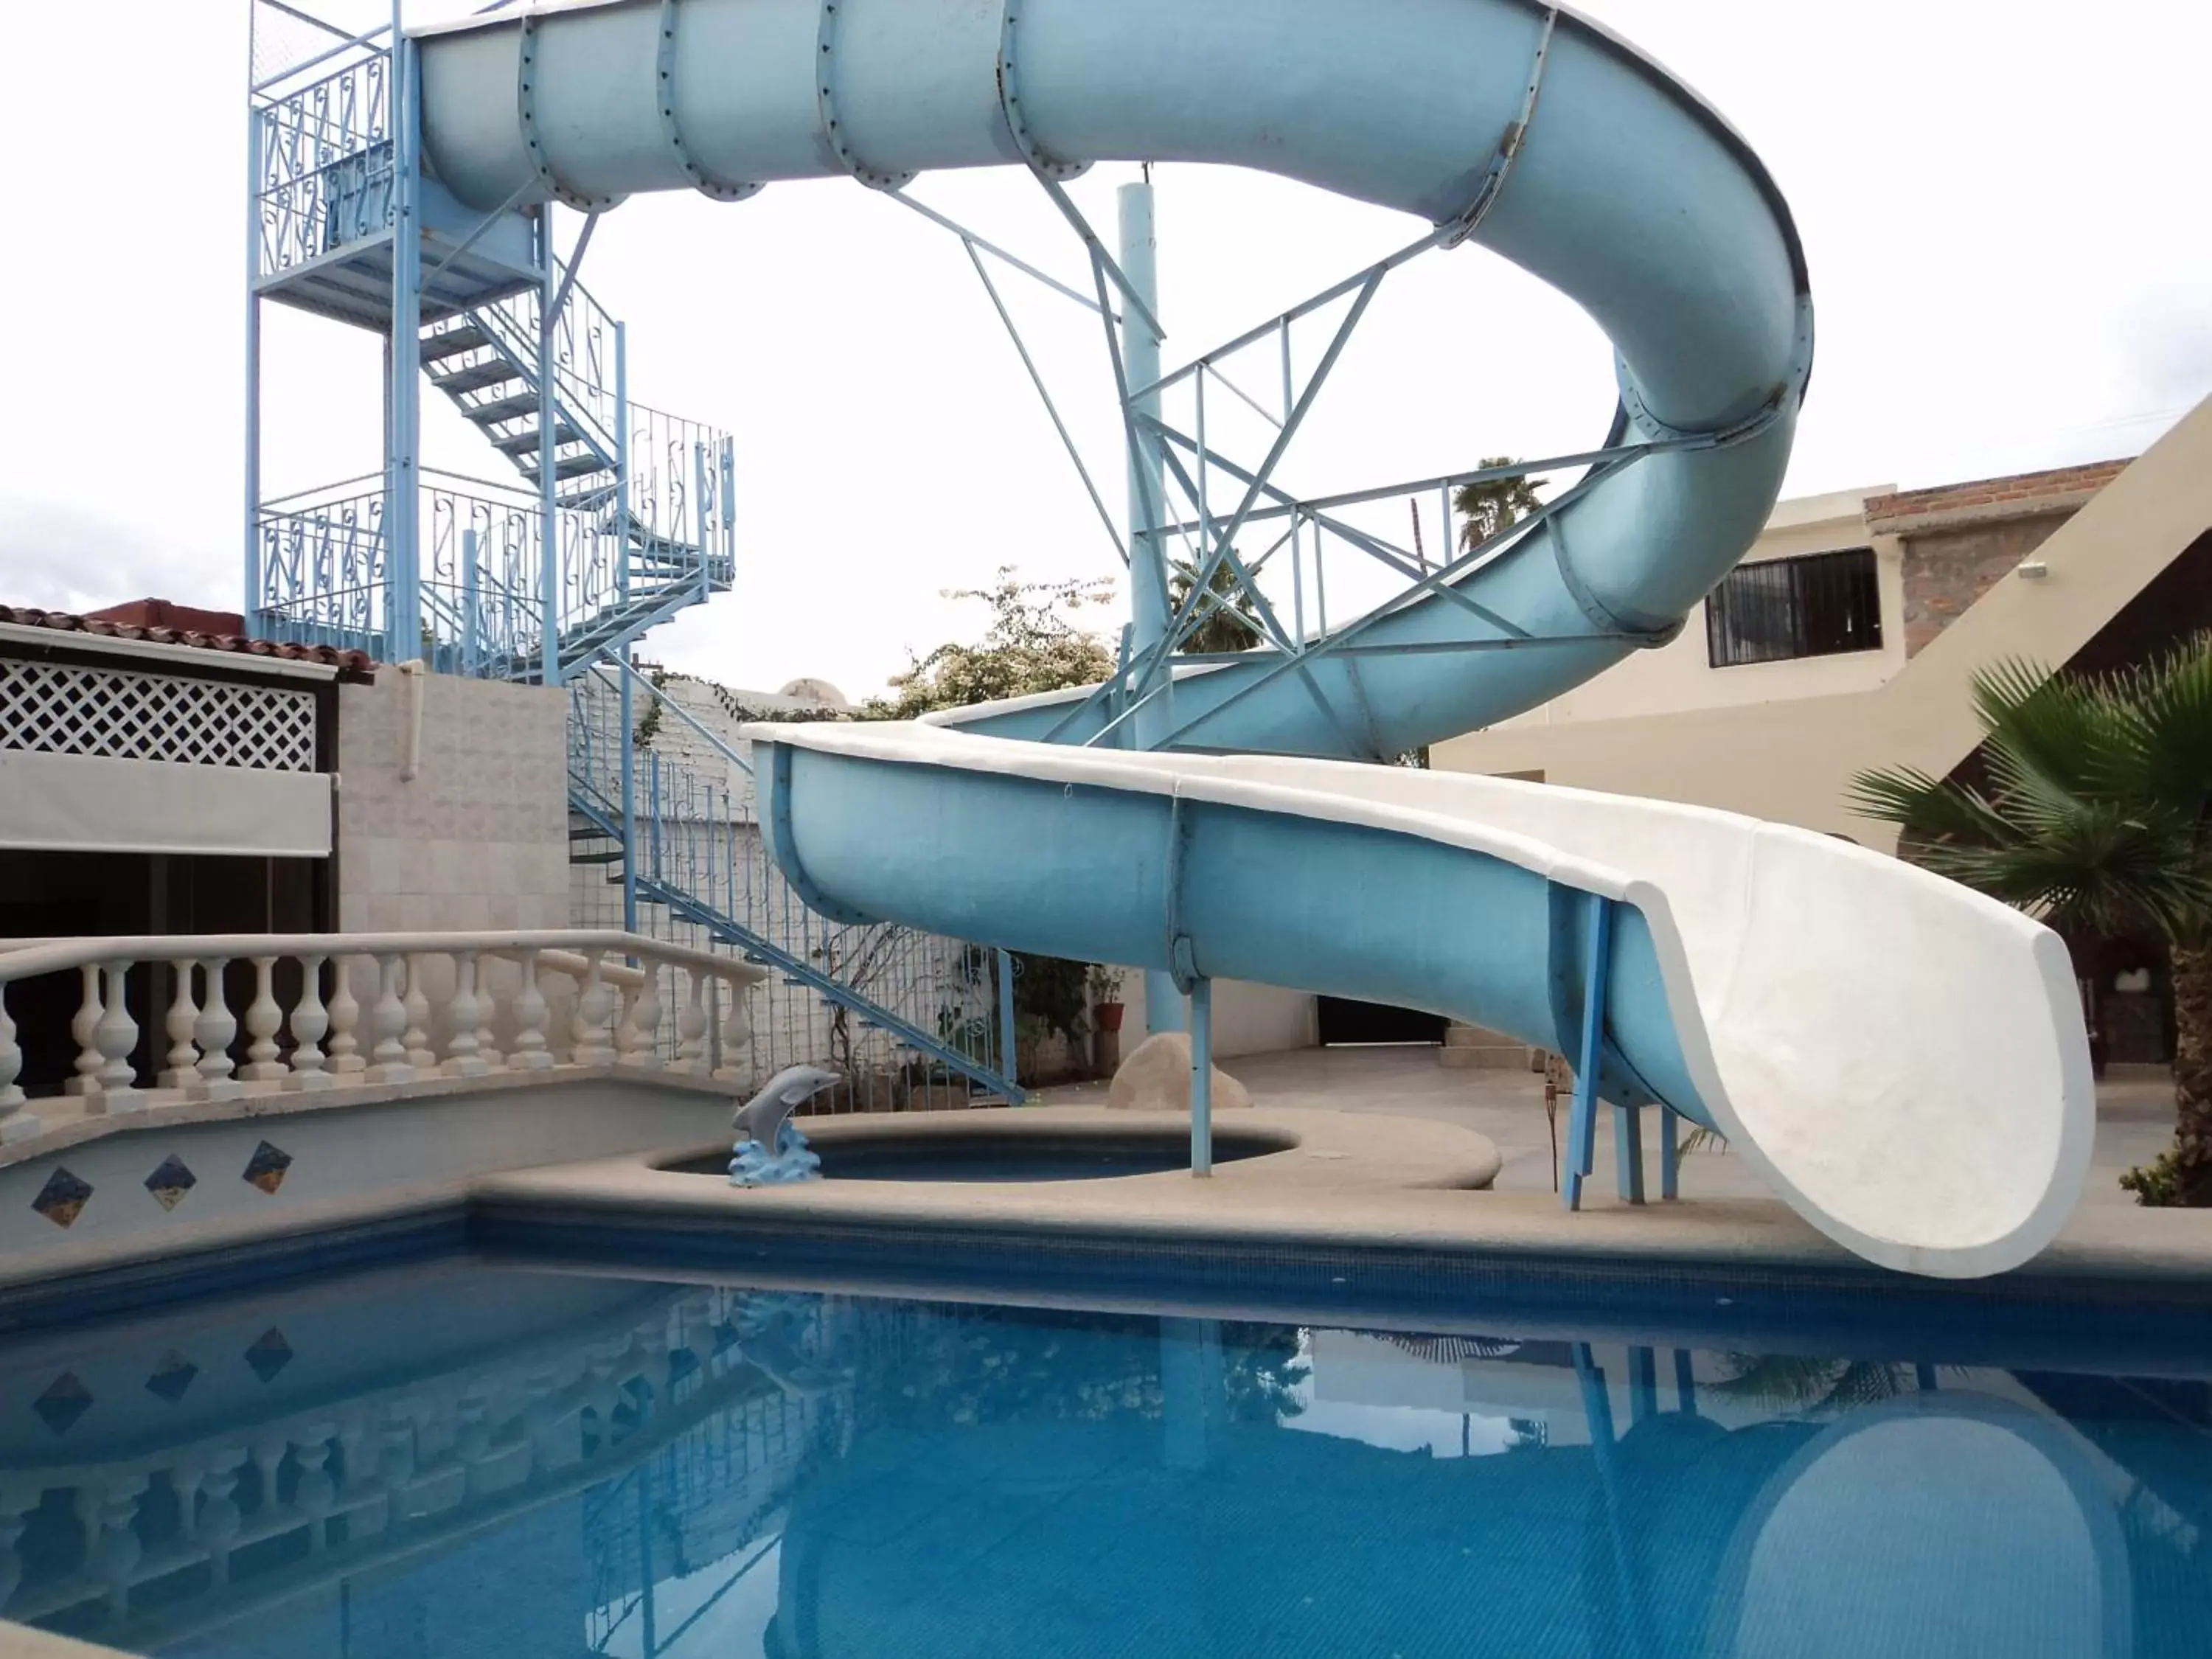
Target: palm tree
(2096, 815)
(1229, 622)
(1488, 507)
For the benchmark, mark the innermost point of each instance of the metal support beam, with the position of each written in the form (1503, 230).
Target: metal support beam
(1202, 1077)
(253, 141)
(1007, 1017)
(1037, 380)
(628, 796)
(1582, 1121)
(1138, 360)
(1670, 1152)
(1628, 1151)
(403, 620)
(549, 505)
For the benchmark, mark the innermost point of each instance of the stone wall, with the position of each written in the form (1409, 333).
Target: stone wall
(478, 838)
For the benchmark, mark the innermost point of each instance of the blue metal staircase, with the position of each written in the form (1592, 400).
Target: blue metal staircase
(622, 521)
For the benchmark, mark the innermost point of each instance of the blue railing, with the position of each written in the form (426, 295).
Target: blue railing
(875, 999)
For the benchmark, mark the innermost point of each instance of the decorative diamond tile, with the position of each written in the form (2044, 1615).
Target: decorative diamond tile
(61, 1199)
(270, 1354)
(267, 1166)
(65, 1399)
(171, 1181)
(172, 1377)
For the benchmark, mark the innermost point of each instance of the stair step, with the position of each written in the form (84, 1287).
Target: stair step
(452, 342)
(501, 409)
(475, 376)
(527, 443)
(565, 466)
(614, 856)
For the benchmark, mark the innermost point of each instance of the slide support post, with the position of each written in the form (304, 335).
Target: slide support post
(1202, 1077)
(1582, 1120)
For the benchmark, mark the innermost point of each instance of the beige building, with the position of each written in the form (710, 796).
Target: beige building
(1848, 637)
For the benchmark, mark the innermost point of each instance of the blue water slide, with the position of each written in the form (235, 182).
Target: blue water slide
(1904, 1060)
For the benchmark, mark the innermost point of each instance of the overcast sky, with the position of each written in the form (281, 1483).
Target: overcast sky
(2003, 205)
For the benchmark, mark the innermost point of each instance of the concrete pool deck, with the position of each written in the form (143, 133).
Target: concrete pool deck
(1388, 1144)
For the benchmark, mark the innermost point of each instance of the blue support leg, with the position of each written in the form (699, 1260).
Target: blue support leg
(1670, 1152)
(1202, 1077)
(1581, 1118)
(1007, 1017)
(1643, 1384)
(1628, 1151)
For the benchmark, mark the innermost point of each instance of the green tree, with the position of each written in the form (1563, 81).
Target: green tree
(1486, 509)
(1032, 646)
(1230, 624)
(2096, 815)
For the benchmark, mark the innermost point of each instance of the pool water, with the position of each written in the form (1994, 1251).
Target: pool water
(463, 1461)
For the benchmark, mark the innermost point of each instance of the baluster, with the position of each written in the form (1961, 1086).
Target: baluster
(84, 1026)
(263, 1019)
(462, 1059)
(118, 1549)
(594, 1008)
(310, 1020)
(387, 1022)
(117, 1033)
(15, 1502)
(219, 1516)
(487, 1007)
(16, 1123)
(184, 1014)
(691, 1028)
(737, 1036)
(420, 1054)
(531, 1054)
(345, 1019)
(214, 1030)
(638, 1036)
(316, 1493)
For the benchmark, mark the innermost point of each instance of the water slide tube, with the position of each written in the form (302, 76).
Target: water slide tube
(1902, 1060)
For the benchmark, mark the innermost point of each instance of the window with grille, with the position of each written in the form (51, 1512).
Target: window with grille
(1817, 605)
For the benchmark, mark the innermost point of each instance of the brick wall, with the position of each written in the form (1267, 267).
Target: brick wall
(1960, 540)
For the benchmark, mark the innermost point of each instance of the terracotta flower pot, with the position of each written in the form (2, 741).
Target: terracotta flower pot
(1109, 1016)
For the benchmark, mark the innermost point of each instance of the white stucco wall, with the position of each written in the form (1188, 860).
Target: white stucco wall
(479, 837)
(1248, 1020)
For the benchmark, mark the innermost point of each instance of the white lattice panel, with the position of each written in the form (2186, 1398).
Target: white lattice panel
(62, 709)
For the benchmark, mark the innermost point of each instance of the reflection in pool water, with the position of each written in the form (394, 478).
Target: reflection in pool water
(469, 1460)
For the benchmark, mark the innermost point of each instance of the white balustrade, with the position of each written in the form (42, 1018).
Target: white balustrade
(462, 1058)
(692, 1027)
(531, 1053)
(264, 1020)
(215, 1030)
(310, 1020)
(420, 1054)
(117, 1033)
(594, 1011)
(737, 1065)
(388, 1023)
(11, 1065)
(345, 1057)
(319, 1043)
(85, 1028)
(637, 1039)
(183, 1018)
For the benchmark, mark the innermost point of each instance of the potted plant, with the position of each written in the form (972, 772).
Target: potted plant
(1105, 986)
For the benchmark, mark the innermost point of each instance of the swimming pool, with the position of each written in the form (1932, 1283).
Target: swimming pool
(460, 1458)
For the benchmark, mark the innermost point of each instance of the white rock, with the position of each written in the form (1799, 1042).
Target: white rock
(1156, 1078)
